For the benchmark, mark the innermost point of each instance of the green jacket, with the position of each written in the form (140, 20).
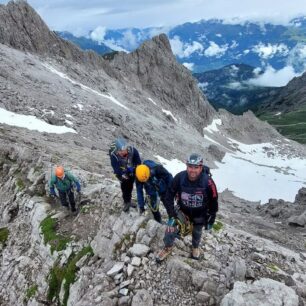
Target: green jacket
(65, 184)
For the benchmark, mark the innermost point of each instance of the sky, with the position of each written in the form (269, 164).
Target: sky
(81, 16)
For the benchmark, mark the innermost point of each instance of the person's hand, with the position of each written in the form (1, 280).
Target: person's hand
(171, 226)
(209, 227)
(53, 195)
(78, 189)
(130, 170)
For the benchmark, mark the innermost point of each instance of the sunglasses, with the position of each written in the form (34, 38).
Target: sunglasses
(194, 166)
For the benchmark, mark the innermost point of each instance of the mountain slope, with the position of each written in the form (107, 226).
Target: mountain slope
(60, 109)
(287, 110)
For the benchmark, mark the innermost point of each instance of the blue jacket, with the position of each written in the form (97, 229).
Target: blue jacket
(125, 165)
(159, 181)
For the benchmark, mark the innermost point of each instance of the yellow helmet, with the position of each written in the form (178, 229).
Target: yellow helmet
(142, 173)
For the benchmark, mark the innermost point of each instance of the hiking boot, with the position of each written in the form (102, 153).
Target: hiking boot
(133, 205)
(141, 211)
(163, 253)
(195, 254)
(126, 206)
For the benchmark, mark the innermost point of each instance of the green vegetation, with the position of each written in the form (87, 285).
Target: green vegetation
(58, 242)
(20, 184)
(273, 267)
(291, 125)
(217, 226)
(4, 232)
(296, 34)
(31, 291)
(67, 274)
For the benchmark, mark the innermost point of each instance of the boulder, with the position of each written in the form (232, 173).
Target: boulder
(263, 292)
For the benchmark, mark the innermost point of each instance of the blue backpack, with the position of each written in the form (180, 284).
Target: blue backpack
(151, 164)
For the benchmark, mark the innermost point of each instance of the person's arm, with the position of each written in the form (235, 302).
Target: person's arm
(136, 157)
(213, 205)
(170, 195)
(73, 179)
(51, 185)
(115, 166)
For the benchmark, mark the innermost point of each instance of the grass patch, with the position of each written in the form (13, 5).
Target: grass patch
(31, 291)
(20, 184)
(291, 124)
(217, 226)
(67, 274)
(4, 233)
(273, 267)
(57, 242)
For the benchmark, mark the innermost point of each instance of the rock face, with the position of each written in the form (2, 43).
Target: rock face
(265, 292)
(23, 29)
(158, 72)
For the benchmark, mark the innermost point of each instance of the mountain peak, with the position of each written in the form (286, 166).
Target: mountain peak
(22, 28)
(154, 66)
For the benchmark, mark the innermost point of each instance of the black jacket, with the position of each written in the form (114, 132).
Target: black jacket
(196, 199)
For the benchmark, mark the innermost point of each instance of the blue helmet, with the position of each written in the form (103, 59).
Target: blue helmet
(118, 145)
(195, 159)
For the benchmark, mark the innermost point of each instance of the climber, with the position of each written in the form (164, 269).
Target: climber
(155, 179)
(64, 182)
(197, 200)
(124, 159)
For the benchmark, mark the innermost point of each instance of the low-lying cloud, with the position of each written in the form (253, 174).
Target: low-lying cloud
(182, 50)
(274, 78)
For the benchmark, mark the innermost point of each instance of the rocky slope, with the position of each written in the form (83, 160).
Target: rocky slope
(286, 110)
(103, 256)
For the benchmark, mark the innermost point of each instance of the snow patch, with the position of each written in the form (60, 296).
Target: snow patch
(168, 113)
(213, 126)
(31, 122)
(86, 88)
(256, 172)
(151, 100)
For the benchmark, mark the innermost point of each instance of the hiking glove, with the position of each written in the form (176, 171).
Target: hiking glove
(52, 192)
(209, 227)
(130, 170)
(78, 186)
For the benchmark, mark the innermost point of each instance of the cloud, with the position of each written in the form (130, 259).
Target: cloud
(98, 34)
(189, 66)
(266, 51)
(182, 50)
(297, 56)
(215, 50)
(274, 78)
(72, 14)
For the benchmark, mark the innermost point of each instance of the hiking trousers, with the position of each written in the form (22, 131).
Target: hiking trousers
(127, 188)
(63, 198)
(196, 236)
